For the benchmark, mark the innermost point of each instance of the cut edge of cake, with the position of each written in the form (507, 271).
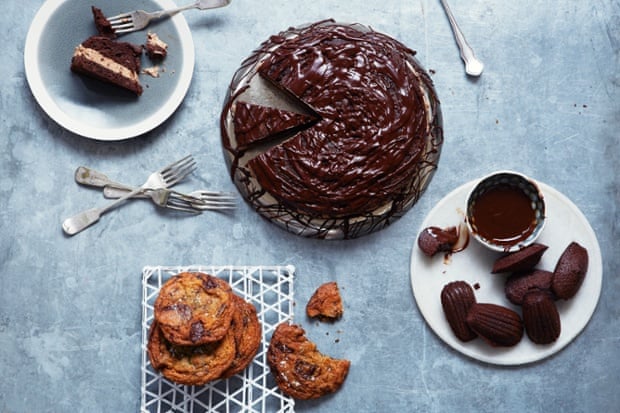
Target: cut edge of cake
(261, 134)
(116, 63)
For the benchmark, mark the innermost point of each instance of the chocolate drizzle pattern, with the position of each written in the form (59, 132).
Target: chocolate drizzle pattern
(374, 149)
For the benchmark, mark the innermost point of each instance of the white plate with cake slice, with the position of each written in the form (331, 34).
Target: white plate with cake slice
(89, 107)
(565, 223)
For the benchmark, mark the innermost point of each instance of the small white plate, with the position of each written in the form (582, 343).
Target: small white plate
(88, 107)
(565, 223)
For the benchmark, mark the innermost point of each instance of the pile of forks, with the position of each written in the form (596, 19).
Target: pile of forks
(157, 188)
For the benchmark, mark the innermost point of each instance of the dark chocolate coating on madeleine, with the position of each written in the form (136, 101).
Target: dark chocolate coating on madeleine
(541, 318)
(497, 325)
(570, 271)
(457, 298)
(519, 284)
(522, 260)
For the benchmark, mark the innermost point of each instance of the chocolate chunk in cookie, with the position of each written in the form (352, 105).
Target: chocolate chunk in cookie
(194, 309)
(299, 369)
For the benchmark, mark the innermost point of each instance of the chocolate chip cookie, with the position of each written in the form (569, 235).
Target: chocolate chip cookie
(194, 308)
(299, 369)
(191, 365)
(247, 332)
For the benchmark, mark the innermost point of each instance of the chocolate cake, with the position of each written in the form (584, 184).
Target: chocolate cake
(156, 49)
(102, 24)
(372, 151)
(117, 63)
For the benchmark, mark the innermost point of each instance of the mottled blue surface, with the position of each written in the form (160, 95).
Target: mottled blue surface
(547, 105)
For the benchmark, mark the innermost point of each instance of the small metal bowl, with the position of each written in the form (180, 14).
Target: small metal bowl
(501, 201)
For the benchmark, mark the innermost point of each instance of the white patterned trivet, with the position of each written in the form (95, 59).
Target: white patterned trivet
(270, 290)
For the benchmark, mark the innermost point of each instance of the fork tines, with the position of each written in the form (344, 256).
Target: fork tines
(122, 22)
(172, 175)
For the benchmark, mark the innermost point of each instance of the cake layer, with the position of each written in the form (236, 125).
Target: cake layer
(117, 63)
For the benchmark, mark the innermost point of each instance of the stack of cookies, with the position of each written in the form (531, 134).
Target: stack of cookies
(201, 330)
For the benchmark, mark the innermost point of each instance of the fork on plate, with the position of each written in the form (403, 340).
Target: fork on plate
(139, 19)
(164, 178)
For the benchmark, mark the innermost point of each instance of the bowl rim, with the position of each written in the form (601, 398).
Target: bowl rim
(541, 220)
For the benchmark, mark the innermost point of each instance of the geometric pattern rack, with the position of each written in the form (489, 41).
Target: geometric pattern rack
(270, 290)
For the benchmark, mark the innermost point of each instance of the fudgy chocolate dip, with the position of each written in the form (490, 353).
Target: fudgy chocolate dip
(504, 215)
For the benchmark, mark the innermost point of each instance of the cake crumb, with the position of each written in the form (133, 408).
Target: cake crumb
(152, 71)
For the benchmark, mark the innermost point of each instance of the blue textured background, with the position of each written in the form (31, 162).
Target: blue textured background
(547, 105)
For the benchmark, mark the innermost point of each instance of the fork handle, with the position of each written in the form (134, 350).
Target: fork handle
(85, 219)
(172, 12)
(91, 177)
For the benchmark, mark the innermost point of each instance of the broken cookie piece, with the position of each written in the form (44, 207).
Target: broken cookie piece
(326, 302)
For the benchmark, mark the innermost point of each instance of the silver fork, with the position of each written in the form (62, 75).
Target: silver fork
(164, 178)
(139, 19)
(201, 199)
(197, 200)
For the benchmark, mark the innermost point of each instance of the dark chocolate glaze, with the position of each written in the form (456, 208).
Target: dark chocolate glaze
(374, 148)
(256, 124)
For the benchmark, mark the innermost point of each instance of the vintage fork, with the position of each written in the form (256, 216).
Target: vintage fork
(139, 19)
(201, 199)
(197, 200)
(164, 178)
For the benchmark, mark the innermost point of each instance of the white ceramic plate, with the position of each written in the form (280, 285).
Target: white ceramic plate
(88, 107)
(565, 223)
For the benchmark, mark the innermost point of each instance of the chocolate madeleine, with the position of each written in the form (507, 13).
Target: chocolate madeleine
(570, 271)
(433, 240)
(519, 284)
(522, 260)
(457, 298)
(497, 325)
(541, 317)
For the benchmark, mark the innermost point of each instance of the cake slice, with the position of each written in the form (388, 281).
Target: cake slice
(116, 63)
(102, 24)
(255, 124)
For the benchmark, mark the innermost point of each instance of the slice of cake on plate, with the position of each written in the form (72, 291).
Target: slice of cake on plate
(117, 63)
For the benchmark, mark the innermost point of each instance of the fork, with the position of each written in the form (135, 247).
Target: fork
(139, 19)
(164, 178)
(201, 199)
(195, 201)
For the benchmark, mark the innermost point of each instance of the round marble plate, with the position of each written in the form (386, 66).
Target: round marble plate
(565, 223)
(91, 108)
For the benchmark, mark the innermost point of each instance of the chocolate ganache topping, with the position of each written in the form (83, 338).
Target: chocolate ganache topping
(375, 146)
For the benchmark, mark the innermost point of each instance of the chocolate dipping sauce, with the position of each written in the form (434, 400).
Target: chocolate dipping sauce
(503, 215)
